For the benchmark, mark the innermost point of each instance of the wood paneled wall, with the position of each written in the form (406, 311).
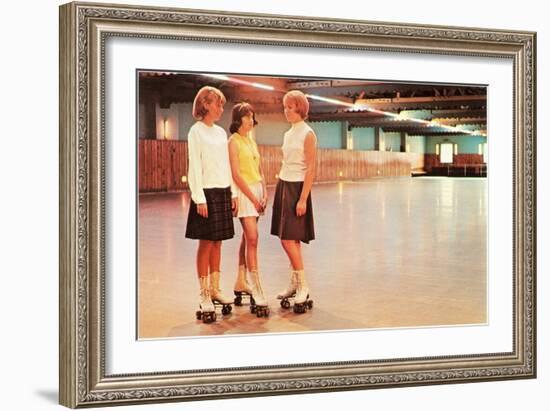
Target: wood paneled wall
(162, 164)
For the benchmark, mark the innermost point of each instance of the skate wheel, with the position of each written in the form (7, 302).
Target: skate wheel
(199, 315)
(226, 309)
(310, 304)
(209, 318)
(238, 301)
(253, 309)
(285, 303)
(299, 309)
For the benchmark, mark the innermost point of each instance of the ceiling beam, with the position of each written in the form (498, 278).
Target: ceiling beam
(458, 113)
(458, 121)
(428, 99)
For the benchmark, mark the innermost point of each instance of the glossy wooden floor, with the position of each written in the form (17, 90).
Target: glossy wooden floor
(395, 252)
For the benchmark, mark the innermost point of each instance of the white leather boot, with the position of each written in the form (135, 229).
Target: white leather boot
(215, 290)
(291, 289)
(257, 291)
(206, 300)
(241, 283)
(206, 311)
(302, 302)
(258, 303)
(302, 289)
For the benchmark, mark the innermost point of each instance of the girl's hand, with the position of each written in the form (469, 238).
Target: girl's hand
(235, 206)
(301, 208)
(258, 206)
(202, 210)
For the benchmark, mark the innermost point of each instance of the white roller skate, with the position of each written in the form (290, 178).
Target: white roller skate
(242, 288)
(301, 299)
(218, 298)
(258, 303)
(206, 312)
(289, 292)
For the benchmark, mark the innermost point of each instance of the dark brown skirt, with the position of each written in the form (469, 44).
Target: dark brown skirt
(285, 224)
(219, 224)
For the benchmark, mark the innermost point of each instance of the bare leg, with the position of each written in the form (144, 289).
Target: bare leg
(215, 256)
(241, 282)
(215, 290)
(203, 257)
(293, 250)
(242, 251)
(258, 303)
(250, 230)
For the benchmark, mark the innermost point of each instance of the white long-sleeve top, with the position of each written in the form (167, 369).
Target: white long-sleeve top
(209, 165)
(294, 160)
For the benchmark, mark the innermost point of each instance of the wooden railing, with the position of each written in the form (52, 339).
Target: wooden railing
(466, 165)
(163, 164)
(461, 159)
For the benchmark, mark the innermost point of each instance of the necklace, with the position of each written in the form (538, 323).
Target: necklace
(250, 146)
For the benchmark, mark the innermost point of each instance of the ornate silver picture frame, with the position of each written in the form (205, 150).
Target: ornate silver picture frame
(85, 379)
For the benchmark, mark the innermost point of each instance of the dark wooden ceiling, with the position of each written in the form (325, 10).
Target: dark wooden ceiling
(443, 108)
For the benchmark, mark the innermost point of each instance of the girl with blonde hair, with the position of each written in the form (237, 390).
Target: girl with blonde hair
(213, 199)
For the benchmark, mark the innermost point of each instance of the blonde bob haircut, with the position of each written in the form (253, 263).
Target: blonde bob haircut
(206, 95)
(300, 100)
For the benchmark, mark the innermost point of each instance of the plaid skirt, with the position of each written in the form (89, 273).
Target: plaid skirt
(219, 224)
(285, 224)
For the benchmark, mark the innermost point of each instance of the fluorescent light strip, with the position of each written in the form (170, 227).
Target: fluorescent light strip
(330, 100)
(239, 81)
(354, 106)
(216, 76)
(263, 86)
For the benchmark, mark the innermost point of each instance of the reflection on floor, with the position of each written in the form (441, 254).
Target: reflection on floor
(395, 252)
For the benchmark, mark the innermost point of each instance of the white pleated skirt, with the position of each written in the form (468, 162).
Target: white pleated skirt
(246, 208)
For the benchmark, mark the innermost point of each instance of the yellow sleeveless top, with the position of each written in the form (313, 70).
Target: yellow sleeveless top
(249, 158)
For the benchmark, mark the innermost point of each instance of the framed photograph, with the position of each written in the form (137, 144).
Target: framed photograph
(375, 185)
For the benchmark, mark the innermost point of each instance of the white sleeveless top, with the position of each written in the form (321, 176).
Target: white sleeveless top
(294, 160)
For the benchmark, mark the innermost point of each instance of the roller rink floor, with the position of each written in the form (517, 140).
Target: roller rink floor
(389, 252)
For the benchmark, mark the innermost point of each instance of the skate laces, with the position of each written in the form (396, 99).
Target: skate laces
(293, 286)
(206, 300)
(215, 282)
(257, 286)
(260, 290)
(245, 280)
(301, 284)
